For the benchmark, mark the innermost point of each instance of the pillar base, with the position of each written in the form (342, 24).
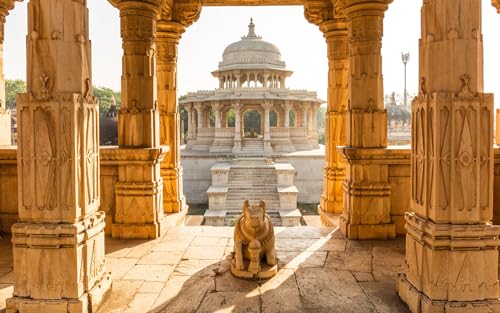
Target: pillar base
(137, 231)
(419, 302)
(367, 231)
(327, 219)
(267, 147)
(88, 303)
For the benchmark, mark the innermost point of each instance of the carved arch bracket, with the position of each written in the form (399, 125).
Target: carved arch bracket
(496, 4)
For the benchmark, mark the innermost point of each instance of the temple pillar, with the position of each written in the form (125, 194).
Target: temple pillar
(451, 247)
(139, 189)
(189, 110)
(304, 117)
(199, 110)
(216, 106)
(237, 127)
(5, 119)
(168, 35)
(313, 125)
(58, 242)
(367, 191)
(267, 130)
(286, 108)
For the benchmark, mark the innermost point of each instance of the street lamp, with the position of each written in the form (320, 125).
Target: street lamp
(405, 57)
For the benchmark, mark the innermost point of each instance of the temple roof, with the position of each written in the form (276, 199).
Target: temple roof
(251, 52)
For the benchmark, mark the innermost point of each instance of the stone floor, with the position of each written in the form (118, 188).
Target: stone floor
(188, 271)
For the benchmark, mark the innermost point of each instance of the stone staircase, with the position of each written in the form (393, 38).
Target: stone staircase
(254, 179)
(252, 146)
(232, 216)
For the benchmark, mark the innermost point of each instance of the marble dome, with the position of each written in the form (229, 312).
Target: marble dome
(251, 52)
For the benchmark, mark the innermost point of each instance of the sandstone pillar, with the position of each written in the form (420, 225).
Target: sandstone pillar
(139, 189)
(451, 247)
(304, 118)
(58, 243)
(189, 110)
(199, 111)
(216, 107)
(335, 28)
(366, 186)
(267, 130)
(237, 127)
(5, 127)
(313, 126)
(167, 39)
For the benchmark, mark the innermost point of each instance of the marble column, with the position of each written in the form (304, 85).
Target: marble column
(58, 242)
(139, 189)
(5, 123)
(267, 130)
(237, 127)
(451, 247)
(286, 108)
(367, 191)
(199, 111)
(168, 35)
(216, 106)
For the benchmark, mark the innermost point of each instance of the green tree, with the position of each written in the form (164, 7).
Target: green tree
(105, 94)
(12, 88)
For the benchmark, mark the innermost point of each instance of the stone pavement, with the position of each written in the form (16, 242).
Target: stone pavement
(188, 271)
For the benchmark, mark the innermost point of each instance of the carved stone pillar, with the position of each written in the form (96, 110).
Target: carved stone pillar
(168, 35)
(451, 247)
(267, 130)
(5, 128)
(366, 186)
(189, 110)
(237, 127)
(304, 117)
(313, 125)
(199, 111)
(286, 108)
(216, 106)
(139, 189)
(58, 243)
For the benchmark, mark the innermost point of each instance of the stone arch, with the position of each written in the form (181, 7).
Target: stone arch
(252, 123)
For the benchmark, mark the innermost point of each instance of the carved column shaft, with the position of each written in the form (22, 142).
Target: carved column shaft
(336, 33)
(168, 35)
(451, 247)
(139, 189)
(58, 244)
(366, 210)
(237, 128)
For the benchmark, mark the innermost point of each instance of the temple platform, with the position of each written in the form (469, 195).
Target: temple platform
(187, 270)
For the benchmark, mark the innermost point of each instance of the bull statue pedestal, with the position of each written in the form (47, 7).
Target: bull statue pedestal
(254, 251)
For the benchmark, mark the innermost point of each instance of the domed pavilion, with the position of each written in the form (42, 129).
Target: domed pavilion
(252, 77)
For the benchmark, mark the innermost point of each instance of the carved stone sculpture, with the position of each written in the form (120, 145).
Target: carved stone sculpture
(254, 251)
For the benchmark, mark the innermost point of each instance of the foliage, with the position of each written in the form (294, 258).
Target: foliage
(12, 88)
(105, 94)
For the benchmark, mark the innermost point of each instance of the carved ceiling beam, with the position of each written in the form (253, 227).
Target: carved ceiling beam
(496, 4)
(155, 7)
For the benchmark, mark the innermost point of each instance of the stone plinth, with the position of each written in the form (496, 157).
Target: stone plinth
(290, 218)
(217, 197)
(288, 197)
(367, 193)
(69, 261)
(139, 212)
(214, 217)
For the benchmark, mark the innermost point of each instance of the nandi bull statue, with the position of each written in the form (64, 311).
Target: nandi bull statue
(254, 252)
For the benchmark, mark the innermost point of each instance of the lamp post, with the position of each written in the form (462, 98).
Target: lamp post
(405, 57)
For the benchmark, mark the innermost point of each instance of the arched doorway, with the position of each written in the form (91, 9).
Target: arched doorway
(252, 124)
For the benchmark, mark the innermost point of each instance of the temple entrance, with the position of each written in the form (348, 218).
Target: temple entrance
(252, 124)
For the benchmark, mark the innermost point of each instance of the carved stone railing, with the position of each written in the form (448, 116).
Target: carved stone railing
(298, 132)
(206, 132)
(280, 132)
(224, 132)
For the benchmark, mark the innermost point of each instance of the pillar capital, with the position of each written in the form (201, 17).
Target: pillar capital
(353, 8)
(496, 4)
(236, 105)
(288, 105)
(152, 8)
(267, 105)
(198, 106)
(216, 106)
(188, 107)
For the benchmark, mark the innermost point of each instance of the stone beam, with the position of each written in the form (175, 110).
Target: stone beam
(250, 2)
(451, 247)
(58, 243)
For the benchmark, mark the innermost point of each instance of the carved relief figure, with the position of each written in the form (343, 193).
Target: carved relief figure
(254, 251)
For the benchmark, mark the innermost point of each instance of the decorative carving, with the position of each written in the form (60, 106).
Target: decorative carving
(318, 11)
(45, 94)
(253, 241)
(496, 4)
(465, 92)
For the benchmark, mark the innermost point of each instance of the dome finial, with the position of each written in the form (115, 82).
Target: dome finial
(251, 29)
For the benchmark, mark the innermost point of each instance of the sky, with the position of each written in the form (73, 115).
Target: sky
(302, 45)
